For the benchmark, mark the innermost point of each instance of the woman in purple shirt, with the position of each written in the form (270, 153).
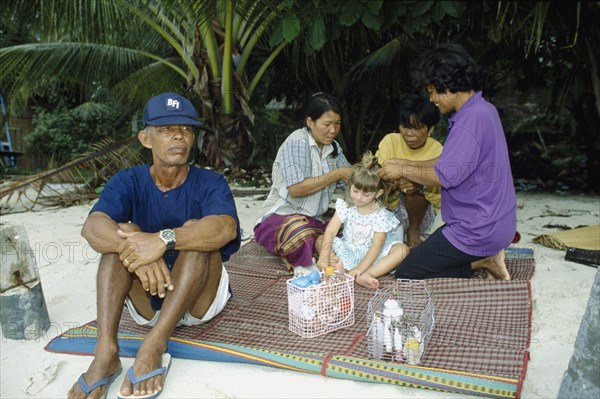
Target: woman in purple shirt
(478, 202)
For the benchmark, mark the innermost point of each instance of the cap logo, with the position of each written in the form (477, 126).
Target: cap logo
(173, 104)
(169, 109)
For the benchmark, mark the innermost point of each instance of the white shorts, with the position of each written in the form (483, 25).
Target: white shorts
(221, 299)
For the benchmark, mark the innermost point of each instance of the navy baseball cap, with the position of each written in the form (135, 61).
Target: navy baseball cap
(170, 109)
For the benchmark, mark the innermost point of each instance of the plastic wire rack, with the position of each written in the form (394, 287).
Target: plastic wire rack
(393, 339)
(321, 308)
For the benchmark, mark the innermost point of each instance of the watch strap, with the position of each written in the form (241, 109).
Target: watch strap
(168, 237)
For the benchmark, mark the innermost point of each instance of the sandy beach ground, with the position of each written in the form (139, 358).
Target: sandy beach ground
(67, 269)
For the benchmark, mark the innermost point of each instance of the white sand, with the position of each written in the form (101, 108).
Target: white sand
(67, 269)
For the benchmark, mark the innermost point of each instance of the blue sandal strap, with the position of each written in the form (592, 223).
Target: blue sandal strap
(136, 380)
(87, 389)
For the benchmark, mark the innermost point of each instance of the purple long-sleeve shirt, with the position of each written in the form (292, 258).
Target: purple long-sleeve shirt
(479, 204)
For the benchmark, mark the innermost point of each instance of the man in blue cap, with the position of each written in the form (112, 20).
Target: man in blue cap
(164, 231)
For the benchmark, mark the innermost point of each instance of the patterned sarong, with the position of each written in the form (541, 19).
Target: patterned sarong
(428, 219)
(291, 236)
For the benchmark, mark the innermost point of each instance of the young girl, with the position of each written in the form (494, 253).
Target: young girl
(370, 246)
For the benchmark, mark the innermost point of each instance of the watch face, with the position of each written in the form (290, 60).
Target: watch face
(167, 235)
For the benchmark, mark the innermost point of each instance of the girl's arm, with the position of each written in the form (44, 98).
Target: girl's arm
(372, 253)
(325, 256)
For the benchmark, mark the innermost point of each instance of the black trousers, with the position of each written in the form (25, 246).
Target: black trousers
(436, 257)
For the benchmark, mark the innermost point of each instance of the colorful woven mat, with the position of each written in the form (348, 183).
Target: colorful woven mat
(479, 345)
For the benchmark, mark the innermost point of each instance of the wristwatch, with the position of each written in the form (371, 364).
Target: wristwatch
(168, 237)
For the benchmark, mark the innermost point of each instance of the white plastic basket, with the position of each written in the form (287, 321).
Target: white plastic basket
(320, 309)
(417, 322)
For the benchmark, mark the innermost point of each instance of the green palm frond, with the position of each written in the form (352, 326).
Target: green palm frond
(73, 182)
(155, 77)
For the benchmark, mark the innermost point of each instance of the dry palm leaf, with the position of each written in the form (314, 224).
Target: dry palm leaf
(73, 182)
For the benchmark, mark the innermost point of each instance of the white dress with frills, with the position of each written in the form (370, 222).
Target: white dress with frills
(359, 230)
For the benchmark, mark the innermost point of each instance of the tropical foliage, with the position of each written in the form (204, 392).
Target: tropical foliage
(142, 47)
(540, 60)
(64, 134)
(234, 56)
(73, 182)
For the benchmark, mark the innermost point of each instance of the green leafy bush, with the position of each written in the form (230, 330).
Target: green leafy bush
(63, 134)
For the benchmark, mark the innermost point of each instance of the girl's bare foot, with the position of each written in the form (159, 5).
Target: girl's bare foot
(367, 281)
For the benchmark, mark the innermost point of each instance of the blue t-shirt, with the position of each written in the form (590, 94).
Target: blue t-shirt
(132, 196)
(479, 204)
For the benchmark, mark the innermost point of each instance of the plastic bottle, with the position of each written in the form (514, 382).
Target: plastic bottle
(328, 302)
(377, 331)
(387, 338)
(416, 333)
(396, 315)
(412, 351)
(334, 274)
(388, 308)
(340, 272)
(329, 276)
(391, 304)
(398, 343)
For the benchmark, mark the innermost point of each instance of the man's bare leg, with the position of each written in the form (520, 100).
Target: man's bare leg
(195, 277)
(495, 265)
(416, 206)
(369, 278)
(113, 283)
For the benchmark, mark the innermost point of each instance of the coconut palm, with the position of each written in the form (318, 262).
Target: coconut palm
(138, 48)
(206, 49)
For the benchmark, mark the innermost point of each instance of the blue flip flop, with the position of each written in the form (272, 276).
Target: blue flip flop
(106, 381)
(166, 365)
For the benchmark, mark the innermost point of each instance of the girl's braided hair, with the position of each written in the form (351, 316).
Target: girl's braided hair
(365, 178)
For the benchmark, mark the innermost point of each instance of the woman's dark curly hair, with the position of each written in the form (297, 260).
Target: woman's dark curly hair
(448, 67)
